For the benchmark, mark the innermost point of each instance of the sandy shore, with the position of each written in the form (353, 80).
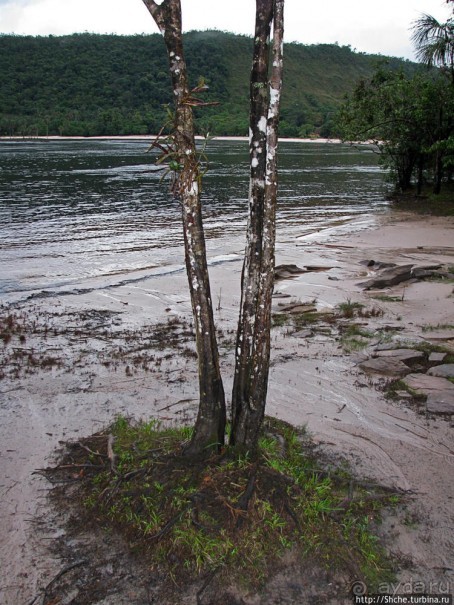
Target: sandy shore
(93, 339)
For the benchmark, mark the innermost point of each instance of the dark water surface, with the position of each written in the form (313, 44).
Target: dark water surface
(92, 213)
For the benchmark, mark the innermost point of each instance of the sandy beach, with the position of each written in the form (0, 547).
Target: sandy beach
(85, 358)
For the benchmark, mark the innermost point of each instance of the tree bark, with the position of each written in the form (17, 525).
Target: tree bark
(252, 353)
(420, 174)
(438, 168)
(210, 424)
(438, 173)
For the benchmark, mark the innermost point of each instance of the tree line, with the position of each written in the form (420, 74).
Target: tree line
(91, 84)
(410, 118)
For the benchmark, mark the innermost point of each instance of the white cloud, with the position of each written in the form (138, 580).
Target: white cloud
(378, 27)
(373, 27)
(41, 17)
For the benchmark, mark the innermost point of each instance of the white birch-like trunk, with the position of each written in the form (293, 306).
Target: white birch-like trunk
(210, 424)
(252, 355)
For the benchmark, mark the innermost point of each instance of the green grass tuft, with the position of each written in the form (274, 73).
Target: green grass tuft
(355, 338)
(236, 513)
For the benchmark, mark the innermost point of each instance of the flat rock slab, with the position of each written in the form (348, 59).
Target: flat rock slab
(318, 268)
(435, 357)
(386, 366)
(287, 271)
(294, 308)
(427, 267)
(303, 334)
(389, 277)
(424, 271)
(401, 354)
(439, 335)
(445, 371)
(425, 384)
(440, 403)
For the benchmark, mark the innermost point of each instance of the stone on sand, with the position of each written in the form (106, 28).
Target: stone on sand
(445, 371)
(387, 366)
(440, 403)
(400, 354)
(389, 277)
(426, 384)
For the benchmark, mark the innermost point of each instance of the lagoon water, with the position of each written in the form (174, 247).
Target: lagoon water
(88, 214)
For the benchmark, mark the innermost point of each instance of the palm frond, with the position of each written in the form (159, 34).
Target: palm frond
(426, 28)
(434, 41)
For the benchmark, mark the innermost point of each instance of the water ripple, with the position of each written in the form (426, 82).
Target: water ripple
(72, 211)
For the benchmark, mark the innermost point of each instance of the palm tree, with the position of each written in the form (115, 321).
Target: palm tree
(434, 42)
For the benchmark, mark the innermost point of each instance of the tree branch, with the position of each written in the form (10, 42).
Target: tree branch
(157, 12)
(152, 6)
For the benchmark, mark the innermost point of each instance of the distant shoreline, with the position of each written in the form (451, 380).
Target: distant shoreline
(142, 137)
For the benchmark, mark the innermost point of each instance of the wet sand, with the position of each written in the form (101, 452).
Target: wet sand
(313, 381)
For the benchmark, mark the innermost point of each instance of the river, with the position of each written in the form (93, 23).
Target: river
(78, 215)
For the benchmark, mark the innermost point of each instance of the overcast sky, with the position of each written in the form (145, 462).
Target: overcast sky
(372, 26)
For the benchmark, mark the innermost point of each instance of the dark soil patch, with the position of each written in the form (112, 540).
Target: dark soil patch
(144, 524)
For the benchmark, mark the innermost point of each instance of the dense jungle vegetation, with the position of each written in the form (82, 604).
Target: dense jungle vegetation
(91, 84)
(411, 122)
(410, 118)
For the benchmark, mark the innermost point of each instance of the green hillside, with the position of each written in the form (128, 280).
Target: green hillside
(90, 84)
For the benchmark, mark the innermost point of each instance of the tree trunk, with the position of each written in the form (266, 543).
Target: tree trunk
(404, 163)
(438, 172)
(420, 175)
(252, 353)
(210, 424)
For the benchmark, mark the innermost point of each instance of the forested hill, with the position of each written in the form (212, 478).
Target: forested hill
(90, 84)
